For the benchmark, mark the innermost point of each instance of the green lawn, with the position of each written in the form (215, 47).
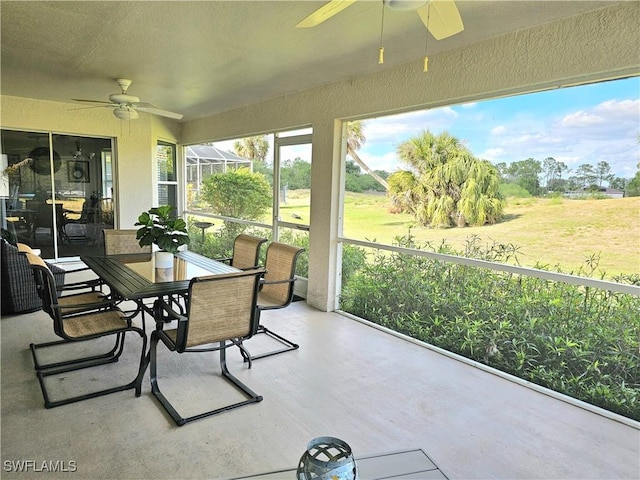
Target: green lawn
(560, 232)
(553, 232)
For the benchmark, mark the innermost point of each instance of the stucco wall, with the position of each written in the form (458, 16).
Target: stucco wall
(602, 44)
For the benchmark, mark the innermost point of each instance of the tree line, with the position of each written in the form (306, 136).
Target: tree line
(551, 175)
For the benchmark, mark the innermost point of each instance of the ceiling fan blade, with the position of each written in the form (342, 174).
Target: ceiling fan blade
(159, 112)
(88, 107)
(91, 101)
(442, 18)
(324, 13)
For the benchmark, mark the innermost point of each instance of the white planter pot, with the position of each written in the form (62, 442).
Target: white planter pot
(164, 259)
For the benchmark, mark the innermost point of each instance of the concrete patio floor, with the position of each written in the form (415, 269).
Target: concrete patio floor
(377, 392)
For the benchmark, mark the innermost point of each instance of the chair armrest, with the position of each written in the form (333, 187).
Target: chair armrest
(224, 259)
(81, 285)
(163, 312)
(275, 282)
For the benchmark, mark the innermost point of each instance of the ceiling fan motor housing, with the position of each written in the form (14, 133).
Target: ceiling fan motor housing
(123, 98)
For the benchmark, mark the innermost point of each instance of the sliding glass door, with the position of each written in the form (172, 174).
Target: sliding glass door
(57, 191)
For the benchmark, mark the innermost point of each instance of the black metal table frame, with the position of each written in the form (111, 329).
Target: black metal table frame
(128, 284)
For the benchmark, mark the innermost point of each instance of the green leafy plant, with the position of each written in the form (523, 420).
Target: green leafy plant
(580, 341)
(159, 226)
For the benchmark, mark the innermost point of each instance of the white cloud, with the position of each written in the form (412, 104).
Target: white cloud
(387, 161)
(581, 119)
(492, 154)
(607, 131)
(605, 118)
(398, 128)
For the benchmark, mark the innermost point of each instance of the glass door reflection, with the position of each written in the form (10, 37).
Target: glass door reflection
(57, 191)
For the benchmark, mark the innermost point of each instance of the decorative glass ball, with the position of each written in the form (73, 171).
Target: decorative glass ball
(327, 458)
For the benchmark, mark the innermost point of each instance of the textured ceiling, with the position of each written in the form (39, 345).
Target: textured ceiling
(203, 57)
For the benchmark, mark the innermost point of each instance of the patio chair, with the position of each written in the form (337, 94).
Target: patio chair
(246, 252)
(19, 292)
(44, 220)
(221, 313)
(92, 284)
(87, 297)
(118, 242)
(276, 291)
(79, 318)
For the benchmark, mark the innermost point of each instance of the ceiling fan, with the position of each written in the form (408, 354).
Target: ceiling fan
(126, 107)
(441, 17)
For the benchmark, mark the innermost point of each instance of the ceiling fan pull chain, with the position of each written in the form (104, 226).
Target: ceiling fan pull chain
(381, 51)
(426, 58)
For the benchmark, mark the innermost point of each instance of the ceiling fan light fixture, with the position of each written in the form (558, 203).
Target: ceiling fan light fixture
(125, 113)
(405, 5)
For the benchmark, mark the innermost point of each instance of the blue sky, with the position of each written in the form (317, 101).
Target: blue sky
(576, 125)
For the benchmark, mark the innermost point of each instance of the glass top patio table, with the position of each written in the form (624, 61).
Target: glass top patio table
(403, 465)
(135, 276)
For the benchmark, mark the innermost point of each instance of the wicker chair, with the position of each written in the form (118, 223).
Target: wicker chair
(276, 291)
(118, 242)
(77, 319)
(19, 292)
(246, 252)
(221, 312)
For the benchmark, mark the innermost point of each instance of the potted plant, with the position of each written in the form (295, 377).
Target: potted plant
(158, 226)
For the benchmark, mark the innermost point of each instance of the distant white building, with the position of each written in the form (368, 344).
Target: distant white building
(609, 192)
(205, 160)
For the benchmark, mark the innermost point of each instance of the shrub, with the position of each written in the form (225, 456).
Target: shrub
(579, 341)
(239, 194)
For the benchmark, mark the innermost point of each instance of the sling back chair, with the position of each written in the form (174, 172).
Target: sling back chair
(117, 242)
(220, 313)
(276, 291)
(87, 290)
(246, 252)
(78, 318)
(93, 283)
(120, 242)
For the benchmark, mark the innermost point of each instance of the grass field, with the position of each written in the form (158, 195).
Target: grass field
(563, 232)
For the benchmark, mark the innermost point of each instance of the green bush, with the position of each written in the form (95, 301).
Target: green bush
(579, 341)
(237, 193)
(514, 190)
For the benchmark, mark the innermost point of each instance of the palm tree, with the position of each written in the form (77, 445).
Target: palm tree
(445, 183)
(355, 140)
(252, 148)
